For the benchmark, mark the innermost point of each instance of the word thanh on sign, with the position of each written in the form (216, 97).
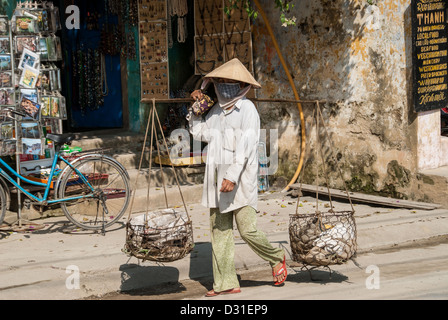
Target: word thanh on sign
(431, 17)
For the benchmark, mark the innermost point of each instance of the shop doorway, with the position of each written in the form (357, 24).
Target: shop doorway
(92, 71)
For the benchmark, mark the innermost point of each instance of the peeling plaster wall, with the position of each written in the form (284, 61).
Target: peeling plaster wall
(357, 57)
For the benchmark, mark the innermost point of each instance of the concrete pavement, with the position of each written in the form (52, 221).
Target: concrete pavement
(59, 262)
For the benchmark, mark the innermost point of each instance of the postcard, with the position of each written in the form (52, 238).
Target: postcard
(25, 25)
(28, 42)
(55, 111)
(31, 108)
(30, 59)
(45, 108)
(5, 79)
(7, 97)
(4, 25)
(30, 130)
(5, 46)
(9, 148)
(29, 77)
(5, 62)
(32, 146)
(7, 130)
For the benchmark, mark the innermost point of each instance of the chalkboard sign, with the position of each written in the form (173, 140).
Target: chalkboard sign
(429, 54)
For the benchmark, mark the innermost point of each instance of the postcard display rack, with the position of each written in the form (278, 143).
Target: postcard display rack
(220, 37)
(153, 33)
(31, 84)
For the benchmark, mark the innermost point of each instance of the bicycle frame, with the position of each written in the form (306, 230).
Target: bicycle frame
(47, 186)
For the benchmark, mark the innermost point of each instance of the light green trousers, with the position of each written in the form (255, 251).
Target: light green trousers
(223, 246)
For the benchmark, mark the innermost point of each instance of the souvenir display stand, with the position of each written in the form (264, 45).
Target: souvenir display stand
(30, 83)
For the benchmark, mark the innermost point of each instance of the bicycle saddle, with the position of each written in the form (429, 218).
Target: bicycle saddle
(61, 138)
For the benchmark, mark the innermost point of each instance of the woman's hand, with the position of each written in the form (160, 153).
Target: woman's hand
(197, 95)
(227, 186)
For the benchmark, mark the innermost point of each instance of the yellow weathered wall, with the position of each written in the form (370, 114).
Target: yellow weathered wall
(357, 57)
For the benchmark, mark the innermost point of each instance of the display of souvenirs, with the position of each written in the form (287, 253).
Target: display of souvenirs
(26, 84)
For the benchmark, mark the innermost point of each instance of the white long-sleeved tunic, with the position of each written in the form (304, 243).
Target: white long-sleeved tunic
(232, 154)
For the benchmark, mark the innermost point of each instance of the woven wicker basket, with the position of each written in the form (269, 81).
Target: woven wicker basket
(164, 240)
(159, 244)
(323, 239)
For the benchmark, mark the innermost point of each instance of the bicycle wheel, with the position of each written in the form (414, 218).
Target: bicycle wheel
(2, 205)
(105, 196)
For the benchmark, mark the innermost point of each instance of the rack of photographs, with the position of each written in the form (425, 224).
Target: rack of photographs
(31, 84)
(220, 37)
(153, 35)
(8, 128)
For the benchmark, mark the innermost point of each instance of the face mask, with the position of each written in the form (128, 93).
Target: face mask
(228, 90)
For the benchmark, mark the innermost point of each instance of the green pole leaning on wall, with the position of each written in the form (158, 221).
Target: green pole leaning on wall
(296, 94)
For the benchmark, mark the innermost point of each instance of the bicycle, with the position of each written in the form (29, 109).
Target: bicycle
(92, 189)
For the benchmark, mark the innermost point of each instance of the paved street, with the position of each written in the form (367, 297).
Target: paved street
(417, 272)
(405, 252)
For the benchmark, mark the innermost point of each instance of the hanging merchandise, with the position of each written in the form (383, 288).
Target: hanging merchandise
(92, 21)
(110, 43)
(8, 129)
(179, 8)
(153, 36)
(90, 75)
(220, 37)
(133, 13)
(182, 30)
(95, 53)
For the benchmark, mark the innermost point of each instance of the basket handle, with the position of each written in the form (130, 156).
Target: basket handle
(140, 164)
(172, 166)
(151, 119)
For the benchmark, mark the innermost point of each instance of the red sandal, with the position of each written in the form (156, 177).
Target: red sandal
(281, 271)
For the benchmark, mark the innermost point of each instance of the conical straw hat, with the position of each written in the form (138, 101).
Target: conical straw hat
(234, 70)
